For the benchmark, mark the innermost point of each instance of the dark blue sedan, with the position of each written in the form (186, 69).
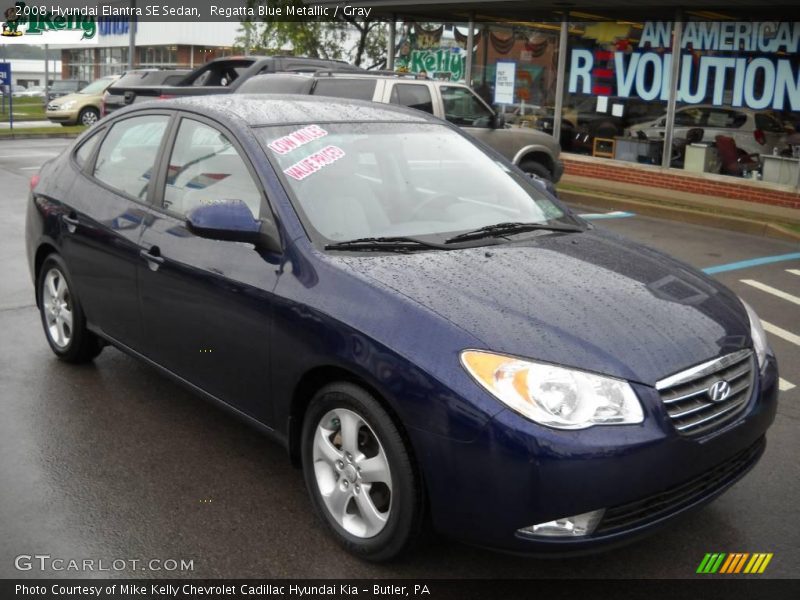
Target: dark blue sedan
(432, 337)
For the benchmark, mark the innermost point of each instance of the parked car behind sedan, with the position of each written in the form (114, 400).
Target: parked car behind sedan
(115, 95)
(533, 151)
(34, 91)
(424, 329)
(754, 131)
(81, 108)
(62, 87)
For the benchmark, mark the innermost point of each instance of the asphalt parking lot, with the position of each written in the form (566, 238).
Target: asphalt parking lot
(114, 461)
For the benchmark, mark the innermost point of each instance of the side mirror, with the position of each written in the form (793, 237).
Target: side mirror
(498, 121)
(232, 221)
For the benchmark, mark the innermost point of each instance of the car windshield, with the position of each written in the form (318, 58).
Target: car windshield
(96, 86)
(352, 181)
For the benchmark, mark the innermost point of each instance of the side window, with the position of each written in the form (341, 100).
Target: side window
(205, 168)
(85, 150)
(412, 95)
(463, 108)
(354, 89)
(126, 157)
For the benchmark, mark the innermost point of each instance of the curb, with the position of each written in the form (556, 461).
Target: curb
(39, 136)
(680, 214)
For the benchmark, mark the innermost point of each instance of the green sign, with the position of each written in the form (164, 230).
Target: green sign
(443, 60)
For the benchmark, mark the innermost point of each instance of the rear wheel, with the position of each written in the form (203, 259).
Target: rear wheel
(62, 316)
(359, 473)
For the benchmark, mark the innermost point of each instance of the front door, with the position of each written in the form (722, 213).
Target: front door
(207, 304)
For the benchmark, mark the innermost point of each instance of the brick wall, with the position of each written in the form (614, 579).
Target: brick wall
(674, 179)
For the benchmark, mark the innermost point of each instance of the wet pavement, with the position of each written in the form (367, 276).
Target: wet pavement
(113, 461)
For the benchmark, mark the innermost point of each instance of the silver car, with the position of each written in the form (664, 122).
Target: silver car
(754, 131)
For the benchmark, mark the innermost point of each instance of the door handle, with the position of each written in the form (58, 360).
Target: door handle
(72, 222)
(153, 260)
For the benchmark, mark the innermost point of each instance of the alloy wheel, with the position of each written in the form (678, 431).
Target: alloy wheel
(58, 309)
(352, 473)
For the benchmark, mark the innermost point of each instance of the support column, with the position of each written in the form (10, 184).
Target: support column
(390, 44)
(470, 49)
(669, 126)
(132, 38)
(561, 74)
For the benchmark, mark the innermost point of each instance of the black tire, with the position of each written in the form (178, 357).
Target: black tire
(88, 116)
(537, 168)
(82, 345)
(405, 511)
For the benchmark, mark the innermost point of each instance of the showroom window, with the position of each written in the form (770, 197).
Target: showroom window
(127, 155)
(737, 103)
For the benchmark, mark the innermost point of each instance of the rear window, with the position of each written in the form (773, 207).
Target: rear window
(353, 89)
(412, 95)
(135, 78)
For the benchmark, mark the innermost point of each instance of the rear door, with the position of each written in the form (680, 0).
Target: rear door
(108, 205)
(207, 304)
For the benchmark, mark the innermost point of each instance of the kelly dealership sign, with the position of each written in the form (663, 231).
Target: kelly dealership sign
(725, 63)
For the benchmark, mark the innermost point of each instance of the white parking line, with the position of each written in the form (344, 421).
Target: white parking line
(793, 271)
(781, 333)
(771, 290)
(30, 168)
(784, 385)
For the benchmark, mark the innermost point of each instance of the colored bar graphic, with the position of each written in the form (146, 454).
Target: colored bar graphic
(717, 562)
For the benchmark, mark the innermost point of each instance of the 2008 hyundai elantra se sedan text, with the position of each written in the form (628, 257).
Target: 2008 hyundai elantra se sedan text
(434, 338)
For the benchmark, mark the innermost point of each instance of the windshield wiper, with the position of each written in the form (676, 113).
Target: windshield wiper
(390, 244)
(501, 229)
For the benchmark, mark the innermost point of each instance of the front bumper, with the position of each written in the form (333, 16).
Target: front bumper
(69, 117)
(517, 474)
(558, 170)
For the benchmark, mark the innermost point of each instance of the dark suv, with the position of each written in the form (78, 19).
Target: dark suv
(115, 96)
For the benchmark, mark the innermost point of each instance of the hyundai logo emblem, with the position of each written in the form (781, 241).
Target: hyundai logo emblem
(719, 390)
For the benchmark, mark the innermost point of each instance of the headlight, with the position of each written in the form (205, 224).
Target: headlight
(554, 396)
(68, 105)
(760, 344)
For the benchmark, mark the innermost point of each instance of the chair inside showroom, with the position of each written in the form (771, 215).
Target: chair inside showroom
(733, 162)
(695, 135)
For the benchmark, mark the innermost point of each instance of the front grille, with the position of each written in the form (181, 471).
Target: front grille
(641, 512)
(689, 399)
(53, 107)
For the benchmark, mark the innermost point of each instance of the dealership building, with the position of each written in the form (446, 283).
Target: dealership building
(600, 76)
(158, 45)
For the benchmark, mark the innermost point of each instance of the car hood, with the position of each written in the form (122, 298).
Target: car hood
(61, 100)
(591, 300)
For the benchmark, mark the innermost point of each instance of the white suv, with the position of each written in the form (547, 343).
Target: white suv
(533, 151)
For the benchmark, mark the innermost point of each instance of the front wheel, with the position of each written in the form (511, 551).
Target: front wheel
(536, 168)
(360, 474)
(89, 116)
(62, 316)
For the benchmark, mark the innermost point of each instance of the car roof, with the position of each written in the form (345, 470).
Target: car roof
(276, 109)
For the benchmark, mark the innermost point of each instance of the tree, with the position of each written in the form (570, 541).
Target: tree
(345, 37)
